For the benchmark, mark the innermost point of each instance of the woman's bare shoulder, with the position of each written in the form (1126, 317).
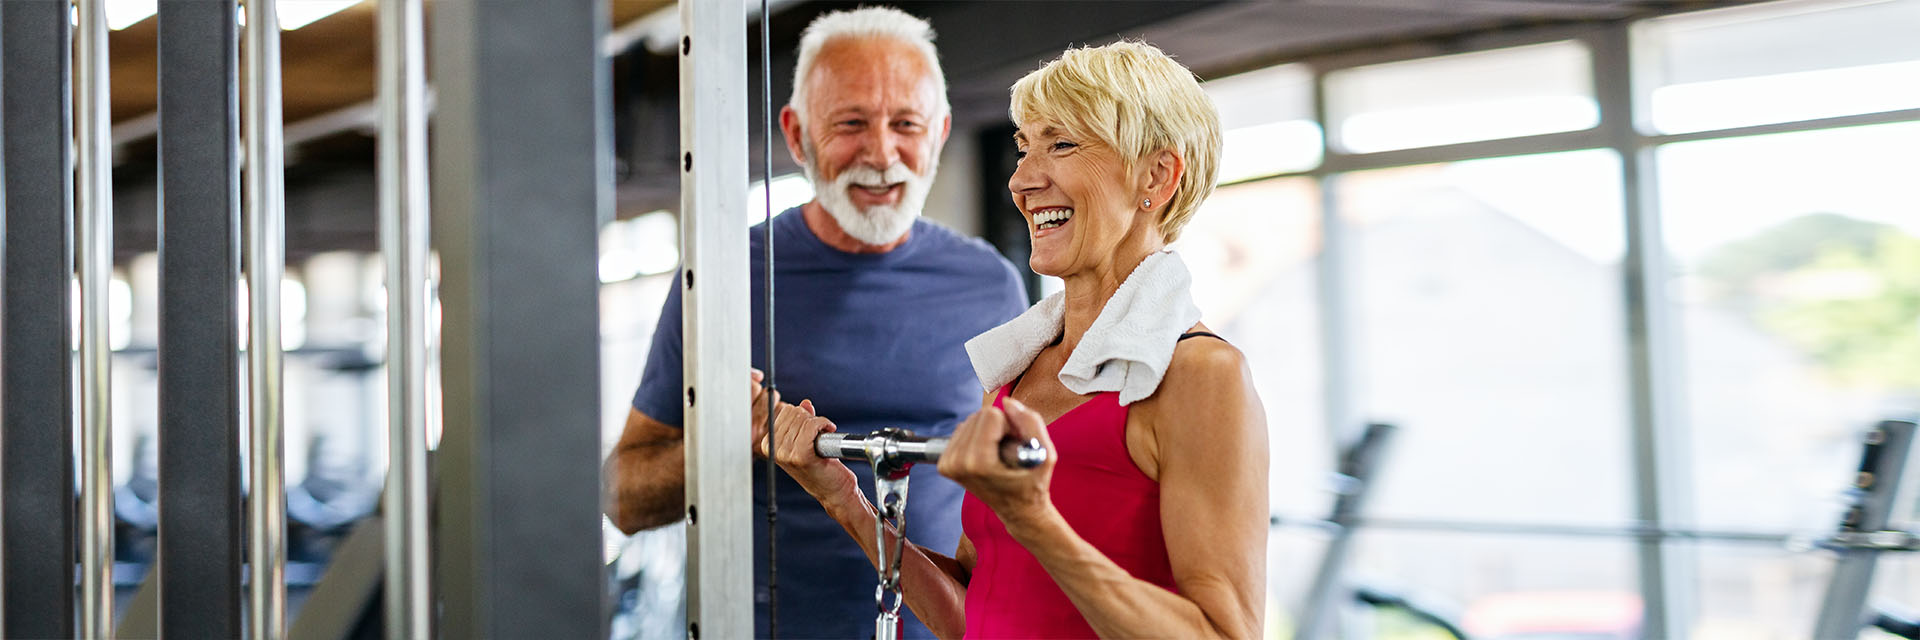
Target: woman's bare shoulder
(1205, 365)
(1205, 376)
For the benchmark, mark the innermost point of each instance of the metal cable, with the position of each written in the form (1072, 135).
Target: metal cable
(766, 189)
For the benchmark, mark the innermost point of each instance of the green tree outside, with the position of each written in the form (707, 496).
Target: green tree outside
(1843, 290)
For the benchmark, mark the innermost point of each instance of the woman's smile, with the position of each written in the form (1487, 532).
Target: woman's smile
(1047, 220)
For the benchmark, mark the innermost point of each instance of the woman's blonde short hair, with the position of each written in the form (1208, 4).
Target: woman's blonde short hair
(1134, 98)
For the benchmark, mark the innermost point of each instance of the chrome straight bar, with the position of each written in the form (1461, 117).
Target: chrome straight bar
(265, 262)
(94, 156)
(892, 452)
(897, 447)
(403, 244)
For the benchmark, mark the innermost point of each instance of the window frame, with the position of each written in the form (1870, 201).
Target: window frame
(1659, 435)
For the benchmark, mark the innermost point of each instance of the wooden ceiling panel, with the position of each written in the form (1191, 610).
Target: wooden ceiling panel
(132, 68)
(328, 64)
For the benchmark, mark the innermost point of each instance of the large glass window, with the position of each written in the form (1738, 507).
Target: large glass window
(1797, 275)
(1780, 62)
(1896, 586)
(1268, 120)
(1500, 587)
(1798, 280)
(1252, 251)
(1757, 592)
(1492, 587)
(1489, 326)
(1544, 88)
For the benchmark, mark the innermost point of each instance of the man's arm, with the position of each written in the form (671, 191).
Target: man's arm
(646, 475)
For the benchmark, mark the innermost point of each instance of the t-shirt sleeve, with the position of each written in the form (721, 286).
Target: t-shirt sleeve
(660, 383)
(1015, 301)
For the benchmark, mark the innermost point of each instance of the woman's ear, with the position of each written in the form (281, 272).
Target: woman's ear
(1164, 168)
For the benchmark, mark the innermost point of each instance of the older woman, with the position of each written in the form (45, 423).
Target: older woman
(1151, 519)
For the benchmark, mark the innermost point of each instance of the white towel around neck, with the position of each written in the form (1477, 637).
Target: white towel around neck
(1127, 349)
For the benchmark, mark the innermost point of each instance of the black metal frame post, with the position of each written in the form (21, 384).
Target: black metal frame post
(199, 560)
(521, 181)
(37, 508)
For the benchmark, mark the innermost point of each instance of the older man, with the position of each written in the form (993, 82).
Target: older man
(874, 306)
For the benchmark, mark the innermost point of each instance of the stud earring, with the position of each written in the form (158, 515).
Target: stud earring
(1146, 203)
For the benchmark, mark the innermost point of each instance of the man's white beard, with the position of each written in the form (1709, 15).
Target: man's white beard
(879, 224)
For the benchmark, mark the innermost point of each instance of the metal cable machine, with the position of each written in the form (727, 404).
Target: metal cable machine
(522, 206)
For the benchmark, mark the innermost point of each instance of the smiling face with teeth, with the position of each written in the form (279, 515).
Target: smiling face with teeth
(869, 142)
(1083, 205)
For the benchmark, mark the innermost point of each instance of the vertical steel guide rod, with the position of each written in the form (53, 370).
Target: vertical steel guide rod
(403, 233)
(94, 155)
(403, 245)
(265, 262)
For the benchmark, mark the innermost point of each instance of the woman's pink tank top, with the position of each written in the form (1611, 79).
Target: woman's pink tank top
(1106, 499)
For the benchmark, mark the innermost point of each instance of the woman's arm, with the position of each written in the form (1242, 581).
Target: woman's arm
(934, 585)
(1210, 436)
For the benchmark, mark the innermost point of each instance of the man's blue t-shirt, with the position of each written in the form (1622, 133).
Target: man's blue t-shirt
(874, 340)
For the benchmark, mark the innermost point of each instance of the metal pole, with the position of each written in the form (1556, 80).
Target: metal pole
(403, 243)
(265, 262)
(36, 435)
(94, 153)
(713, 187)
(198, 569)
(522, 181)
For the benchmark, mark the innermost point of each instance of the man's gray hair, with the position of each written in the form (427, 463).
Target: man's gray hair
(869, 22)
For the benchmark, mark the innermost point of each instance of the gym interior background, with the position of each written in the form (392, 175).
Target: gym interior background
(1611, 268)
